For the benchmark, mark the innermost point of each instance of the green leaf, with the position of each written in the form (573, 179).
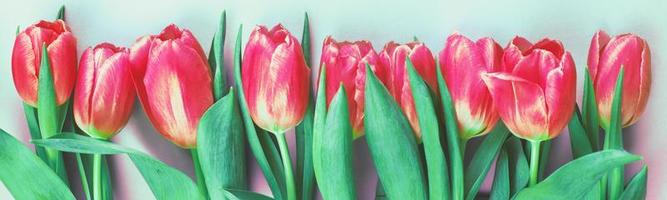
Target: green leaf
(545, 149)
(25, 175)
(436, 165)
(501, 180)
(332, 152)
(251, 132)
(518, 165)
(451, 127)
(48, 116)
(305, 39)
(33, 126)
(165, 182)
(61, 13)
(590, 112)
(614, 137)
(391, 143)
(636, 188)
(305, 176)
(579, 140)
(483, 158)
(221, 147)
(232, 194)
(576, 178)
(216, 59)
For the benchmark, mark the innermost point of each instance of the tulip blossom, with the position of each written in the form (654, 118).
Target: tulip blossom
(27, 54)
(173, 81)
(104, 93)
(393, 55)
(535, 92)
(606, 56)
(346, 64)
(462, 61)
(276, 79)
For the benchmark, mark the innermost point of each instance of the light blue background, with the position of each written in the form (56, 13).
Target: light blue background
(572, 22)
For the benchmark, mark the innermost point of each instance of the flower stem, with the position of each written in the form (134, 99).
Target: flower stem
(287, 166)
(97, 178)
(534, 162)
(201, 184)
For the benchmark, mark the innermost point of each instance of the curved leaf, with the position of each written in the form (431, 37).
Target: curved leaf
(244, 195)
(391, 143)
(456, 153)
(501, 181)
(25, 175)
(636, 188)
(576, 178)
(332, 152)
(221, 147)
(483, 158)
(166, 182)
(436, 165)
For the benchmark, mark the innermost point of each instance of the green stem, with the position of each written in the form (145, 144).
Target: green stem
(458, 182)
(82, 174)
(534, 162)
(97, 178)
(201, 184)
(616, 182)
(287, 166)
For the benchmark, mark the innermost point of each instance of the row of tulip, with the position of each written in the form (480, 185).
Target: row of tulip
(402, 99)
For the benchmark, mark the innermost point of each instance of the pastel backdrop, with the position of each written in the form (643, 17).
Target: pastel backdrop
(573, 22)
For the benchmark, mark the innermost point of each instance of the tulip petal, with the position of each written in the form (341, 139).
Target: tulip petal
(520, 103)
(183, 83)
(560, 92)
(112, 101)
(553, 46)
(624, 50)
(462, 61)
(62, 52)
(24, 70)
(598, 43)
(536, 66)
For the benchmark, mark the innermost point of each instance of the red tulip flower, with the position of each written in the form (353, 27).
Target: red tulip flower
(27, 55)
(346, 64)
(535, 92)
(394, 55)
(462, 62)
(173, 81)
(276, 79)
(104, 93)
(605, 58)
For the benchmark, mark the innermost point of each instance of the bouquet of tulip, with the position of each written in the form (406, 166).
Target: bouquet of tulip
(416, 111)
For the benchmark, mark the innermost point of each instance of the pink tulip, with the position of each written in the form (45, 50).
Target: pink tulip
(173, 81)
(394, 55)
(605, 58)
(346, 64)
(276, 79)
(27, 55)
(535, 92)
(462, 61)
(104, 94)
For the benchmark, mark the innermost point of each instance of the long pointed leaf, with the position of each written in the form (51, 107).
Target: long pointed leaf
(636, 188)
(304, 131)
(166, 182)
(576, 178)
(332, 152)
(458, 182)
(483, 158)
(501, 181)
(438, 178)
(391, 143)
(25, 175)
(221, 147)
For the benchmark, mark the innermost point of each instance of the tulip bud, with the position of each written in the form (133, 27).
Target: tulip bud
(27, 54)
(104, 94)
(173, 81)
(275, 79)
(605, 58)
(393, 55)
(346, 64)
(535, 92)
(461, 62)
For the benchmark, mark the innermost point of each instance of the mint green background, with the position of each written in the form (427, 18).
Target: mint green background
(572, 22)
